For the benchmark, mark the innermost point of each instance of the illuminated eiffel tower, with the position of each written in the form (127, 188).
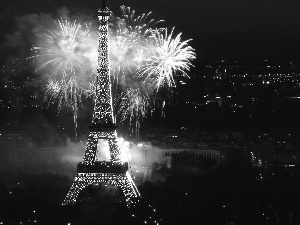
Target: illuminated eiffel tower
(103, 131)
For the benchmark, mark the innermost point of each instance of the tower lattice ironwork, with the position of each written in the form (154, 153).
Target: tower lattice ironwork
(91, 170)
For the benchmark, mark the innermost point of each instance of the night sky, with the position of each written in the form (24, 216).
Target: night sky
(219, 28)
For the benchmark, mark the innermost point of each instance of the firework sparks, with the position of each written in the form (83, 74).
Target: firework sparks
(168, 57)
(135, 105)
(66, 93)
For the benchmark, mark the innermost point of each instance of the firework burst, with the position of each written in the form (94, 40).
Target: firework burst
(169, 56)
(68, 47)
(122, 55)
(132, 26)
(129, 36)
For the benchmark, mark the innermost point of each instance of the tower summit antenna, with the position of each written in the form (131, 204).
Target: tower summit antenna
(103, 6)
(96, 166)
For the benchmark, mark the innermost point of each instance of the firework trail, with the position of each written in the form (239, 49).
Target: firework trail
(169, 56)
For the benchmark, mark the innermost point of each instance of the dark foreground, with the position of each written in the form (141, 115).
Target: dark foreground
(190, 192)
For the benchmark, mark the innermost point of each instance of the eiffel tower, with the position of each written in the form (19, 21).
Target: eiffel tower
(103, 130)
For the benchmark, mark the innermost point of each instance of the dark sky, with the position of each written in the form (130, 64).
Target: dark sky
(219, 28)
